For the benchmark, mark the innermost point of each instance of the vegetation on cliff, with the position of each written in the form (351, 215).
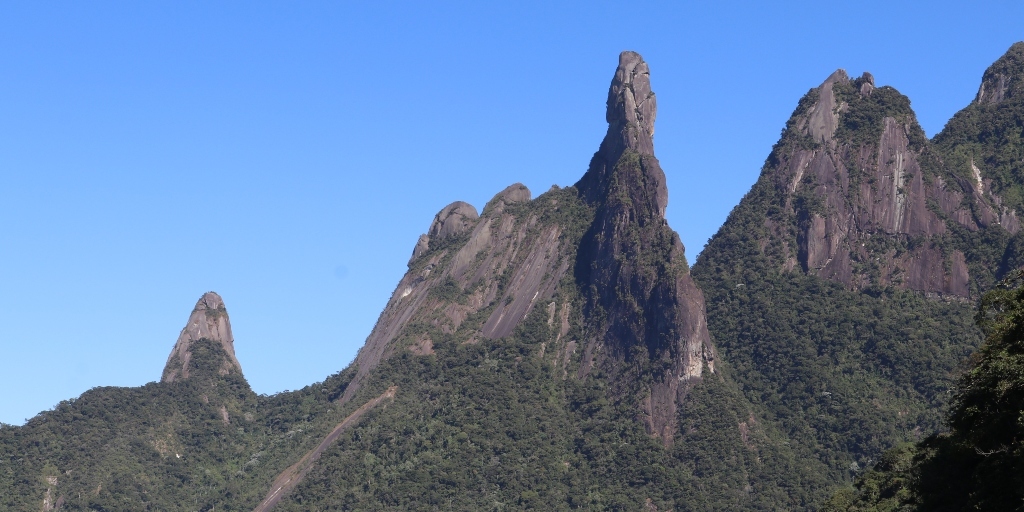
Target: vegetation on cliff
(555, 353)
(979, 463)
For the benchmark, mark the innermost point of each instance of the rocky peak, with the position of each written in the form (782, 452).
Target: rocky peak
(822, 119)
(867, 195)
(640, 309)
(1004, 79)
(452, 220)
(631, 109)
(514, 193)
(208, 321)
(645, 308)
(631, 106)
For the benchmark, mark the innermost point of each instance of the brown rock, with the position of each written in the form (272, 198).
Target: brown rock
(515, 193)
(454, 219)
(209, 320)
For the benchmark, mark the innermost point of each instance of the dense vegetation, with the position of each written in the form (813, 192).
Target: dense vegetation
(979, 463)
(494, 426)
(989, 135)
(846, 373)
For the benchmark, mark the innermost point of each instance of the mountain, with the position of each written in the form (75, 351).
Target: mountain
(977, 462)
(545, 353)
(557, 352)
(553, 353)
(842, 287)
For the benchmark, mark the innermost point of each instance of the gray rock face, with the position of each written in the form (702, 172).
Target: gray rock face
(632, 106)
(499, 243)
(848, 193)
(453, 219)
(209, 320)
(632, 265)
(631, 110)
(822, 118)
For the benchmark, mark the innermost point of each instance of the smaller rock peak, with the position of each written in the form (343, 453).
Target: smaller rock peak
(1004, 79)
(822, 119)
(209, 320)
(866, 84)
(453, 219)
(838, 75)
(514, 193)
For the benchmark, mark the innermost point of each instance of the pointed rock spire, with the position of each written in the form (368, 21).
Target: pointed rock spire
(631, 110)
(631, 264)
(208, 321)
(631, 106)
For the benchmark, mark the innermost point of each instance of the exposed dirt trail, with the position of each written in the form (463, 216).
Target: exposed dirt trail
(291, 477)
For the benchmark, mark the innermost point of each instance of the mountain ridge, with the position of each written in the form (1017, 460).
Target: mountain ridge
(558, 352)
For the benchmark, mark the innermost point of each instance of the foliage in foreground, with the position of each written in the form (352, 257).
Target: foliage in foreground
(979, 463)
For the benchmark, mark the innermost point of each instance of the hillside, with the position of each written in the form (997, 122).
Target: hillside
(979, 463)
(842, 287)
(558, 352)
(547, 353)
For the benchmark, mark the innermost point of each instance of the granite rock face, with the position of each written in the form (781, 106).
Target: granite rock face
(631, 265)
(607, 238)
(1003, 81)
(630, 112)
(508, 263)
(868, 195)
(209, 320)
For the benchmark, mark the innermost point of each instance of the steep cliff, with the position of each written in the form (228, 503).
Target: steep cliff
(856, 194)
(841, 286)
(640, 299)
(606, 239)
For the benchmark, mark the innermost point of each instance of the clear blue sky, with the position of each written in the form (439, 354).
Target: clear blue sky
(288, 154)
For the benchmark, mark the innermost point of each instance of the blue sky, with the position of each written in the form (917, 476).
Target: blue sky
(287, 155)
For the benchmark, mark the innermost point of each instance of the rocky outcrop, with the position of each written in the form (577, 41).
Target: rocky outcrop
(866, 196)
(607, 238)
(1003, 80)
(208, 321)
(452, 220)
(515, 193)
(631, 266)
(630, 112)
(507, 264)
